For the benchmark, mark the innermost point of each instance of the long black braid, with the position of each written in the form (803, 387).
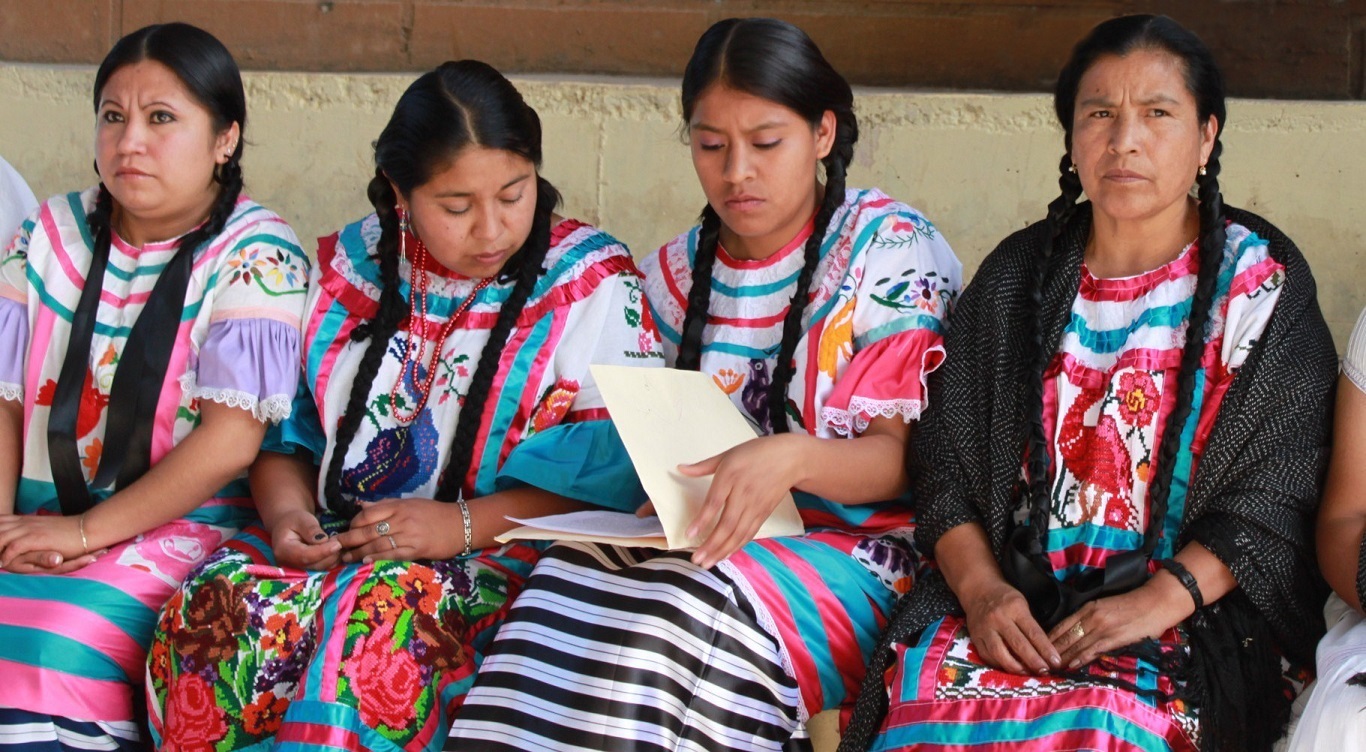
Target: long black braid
(379, 330)
(1211, 250)
(777, 61)
(459, 104)
(1060, 212)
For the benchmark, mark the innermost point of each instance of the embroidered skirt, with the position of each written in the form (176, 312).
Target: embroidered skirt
(375, 656)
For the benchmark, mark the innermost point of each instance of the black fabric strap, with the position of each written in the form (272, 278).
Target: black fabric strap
(64, 456)
(142, 370)
(134, 394)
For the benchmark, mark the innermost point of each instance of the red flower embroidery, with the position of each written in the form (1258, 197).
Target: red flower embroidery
(379, 604)
(282, 632)
(420, 589)
(193, 720)
(265, 714)
(386, 682)
(555, 405)
(1138, 398)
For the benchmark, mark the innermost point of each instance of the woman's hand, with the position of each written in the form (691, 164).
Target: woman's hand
(403, 529)
(49, 562)
(747, 483)
(300, 543)
(1108, 624)
(1005, 633)
(29, 533)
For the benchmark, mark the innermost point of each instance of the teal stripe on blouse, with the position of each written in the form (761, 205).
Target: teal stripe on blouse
(1108, 341)
(509, 401)
(1176, 495)
(897, 326)
(326, 336)
(1095, 536)
(274, 241)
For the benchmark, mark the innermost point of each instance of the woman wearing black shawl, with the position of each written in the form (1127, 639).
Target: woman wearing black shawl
(1121, 515)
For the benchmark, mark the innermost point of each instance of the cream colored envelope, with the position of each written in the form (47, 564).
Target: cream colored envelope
(666, 418)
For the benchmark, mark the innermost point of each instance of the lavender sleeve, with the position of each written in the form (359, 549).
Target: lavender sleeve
(249, 363)
(13, 348)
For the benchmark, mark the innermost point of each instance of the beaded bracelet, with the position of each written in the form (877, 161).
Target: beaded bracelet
(1186, 579)
(469, 526)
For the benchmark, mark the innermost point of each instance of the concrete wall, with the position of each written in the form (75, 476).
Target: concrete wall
(978, 165)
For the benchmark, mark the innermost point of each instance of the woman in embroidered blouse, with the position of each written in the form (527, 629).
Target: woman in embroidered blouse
(1333, 717)
(449, 336)
(151, 330)
(819, 310)
(1142, 585)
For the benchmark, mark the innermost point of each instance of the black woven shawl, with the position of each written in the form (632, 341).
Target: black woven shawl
(1251, 502)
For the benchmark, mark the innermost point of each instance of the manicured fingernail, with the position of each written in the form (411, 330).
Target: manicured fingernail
(1073, 665)
(319, 536)
(346, 557)
(1054, 659)
(366, 560)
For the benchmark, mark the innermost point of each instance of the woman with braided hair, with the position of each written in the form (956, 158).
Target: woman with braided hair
(448, 340)
(151, 330)
(1144, 578)
(820, 310)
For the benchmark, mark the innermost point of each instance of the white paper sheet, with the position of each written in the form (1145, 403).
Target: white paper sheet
(666, 418)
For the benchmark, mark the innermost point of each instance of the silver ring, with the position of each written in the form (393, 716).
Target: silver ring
(392, 544)
(382, 527)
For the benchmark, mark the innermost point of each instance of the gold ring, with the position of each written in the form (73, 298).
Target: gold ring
(1078, 630)
(392, 544)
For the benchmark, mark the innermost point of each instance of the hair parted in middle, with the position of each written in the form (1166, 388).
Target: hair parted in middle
(776, 61)
(1119, 37)
(457, 105)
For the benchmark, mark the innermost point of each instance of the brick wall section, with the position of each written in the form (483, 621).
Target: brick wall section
(1301, 49)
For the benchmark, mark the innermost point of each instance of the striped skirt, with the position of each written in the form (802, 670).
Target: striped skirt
(612, 648)
(944, 698)
(73, 647)
(251, 656)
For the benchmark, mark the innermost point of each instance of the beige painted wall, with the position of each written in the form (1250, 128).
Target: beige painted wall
(978, 165)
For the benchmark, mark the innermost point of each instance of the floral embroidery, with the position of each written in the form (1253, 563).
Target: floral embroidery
(385, 681)
(728, 379)
(1139, 398)
(554, 405)
(193, 718)
(837, 341)
(274, 271)
(264, 715)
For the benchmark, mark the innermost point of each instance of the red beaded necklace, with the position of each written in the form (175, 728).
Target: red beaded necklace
(417, 317)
